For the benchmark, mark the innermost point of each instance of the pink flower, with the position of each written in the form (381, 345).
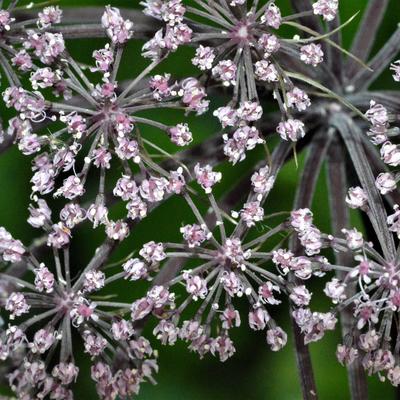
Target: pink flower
(300, 296)
(301, 219)
(204, 58)
(249, 111)
(232, 284)
(266, 293)
(244, 138)
(42, 341)
(326, 8)
(395, 67)
(298, 98)
(38, 216)
(176, 182)
(181, 135)
(71, 188)
(94, 280)
(230, 318)
(5, 20)
(336, 290)
(140, 309)
(268, 44)
(153, 189)
(261, 180)
(195, 286)
(225, 71)
(153, 252)
(47, 46)
(16, 305)
(122, 329)
(385, 182)
(44, 279)
(134, 269)
(94, 344)
(118, 29)
(48, 16)
(356, 197)
(22, 60)
(172, 11)
(272, 16)
(258, 318)
(137, 208)
(377, 114)
(66, 372)
(194, 234)
(59, 237)
(82, 310)
(103, 59)
(97, 214)
(126, 188)
(194, 95)
(167, 332)
(251, 213)
(101, 157)
(227, 116)
(393, 220)
(265, 71)
(117, 230)
(390, 154)
(72, 214)
(292, 129)
(159, 84)
(354, 238)
(222, 345)
(312, 54)
(276, 338)
(128, 149)
(206, 177)
(346, 355)
(311, 240)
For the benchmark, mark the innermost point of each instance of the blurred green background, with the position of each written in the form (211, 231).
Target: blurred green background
(254, 373)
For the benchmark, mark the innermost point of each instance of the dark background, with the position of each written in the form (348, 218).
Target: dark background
(254, 373)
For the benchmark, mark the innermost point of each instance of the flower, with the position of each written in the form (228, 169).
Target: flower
(224, 268)
(45, 313)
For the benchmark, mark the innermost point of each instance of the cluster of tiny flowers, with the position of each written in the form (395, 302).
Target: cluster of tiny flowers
(376, 298)
(309, 235)
(228, 267)
(79, 121)
(11, 250)
(244, 56)
(45, 334)
(327, 8)
(110, 124)
(379, 133)
(395, 67)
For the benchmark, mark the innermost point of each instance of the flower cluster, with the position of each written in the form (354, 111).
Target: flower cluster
(96, 139)
(43, 315)
(374, 302)
(239, 47)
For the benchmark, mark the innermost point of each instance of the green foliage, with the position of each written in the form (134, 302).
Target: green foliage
(254, 373)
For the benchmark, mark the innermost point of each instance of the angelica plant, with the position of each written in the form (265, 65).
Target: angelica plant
(109, 150)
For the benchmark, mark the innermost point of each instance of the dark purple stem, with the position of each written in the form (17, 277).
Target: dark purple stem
(366, 33)
(352, 134)
(304, 196)
(379, 63)
(337, 185)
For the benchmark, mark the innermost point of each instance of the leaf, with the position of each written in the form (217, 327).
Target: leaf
(332, 94)
(318, 36)
(351, 134)
(330, 42)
